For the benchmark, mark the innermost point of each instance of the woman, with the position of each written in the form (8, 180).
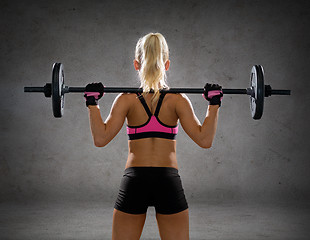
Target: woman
(151, 175)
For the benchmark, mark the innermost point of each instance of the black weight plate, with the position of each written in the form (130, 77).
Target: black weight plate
(258, 95)
(58, 98)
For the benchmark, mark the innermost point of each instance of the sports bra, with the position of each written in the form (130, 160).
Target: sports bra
(153, 128)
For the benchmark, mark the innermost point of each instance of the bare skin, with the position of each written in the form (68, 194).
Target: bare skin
(161, 152)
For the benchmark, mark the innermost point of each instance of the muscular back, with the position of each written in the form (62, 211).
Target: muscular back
(156, 152)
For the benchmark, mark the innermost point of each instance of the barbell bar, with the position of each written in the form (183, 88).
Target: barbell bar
(257, 90)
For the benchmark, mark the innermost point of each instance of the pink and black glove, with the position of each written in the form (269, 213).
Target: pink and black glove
(213, 93)
(93, 92)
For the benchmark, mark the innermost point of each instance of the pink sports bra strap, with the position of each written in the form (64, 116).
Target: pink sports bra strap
(160, 101)
(148, 111)
(144, 104)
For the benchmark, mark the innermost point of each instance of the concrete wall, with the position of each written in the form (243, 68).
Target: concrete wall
(43, 158)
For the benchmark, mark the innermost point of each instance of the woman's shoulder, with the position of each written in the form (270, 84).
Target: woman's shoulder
(124, 98)
(178, 97)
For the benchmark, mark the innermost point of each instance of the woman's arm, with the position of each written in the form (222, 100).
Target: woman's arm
(104, 132)
(203, 134)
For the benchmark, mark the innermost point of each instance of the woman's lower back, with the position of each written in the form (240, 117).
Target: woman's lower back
(152, 152)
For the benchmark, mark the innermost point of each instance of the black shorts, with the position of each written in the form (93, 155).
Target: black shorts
(142, 187)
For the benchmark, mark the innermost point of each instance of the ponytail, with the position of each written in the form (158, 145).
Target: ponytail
(152, 53)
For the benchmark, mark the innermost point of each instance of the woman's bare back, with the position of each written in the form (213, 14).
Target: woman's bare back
(155, 152)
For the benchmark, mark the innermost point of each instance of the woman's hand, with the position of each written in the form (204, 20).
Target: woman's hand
(213, 93)
(93, 92)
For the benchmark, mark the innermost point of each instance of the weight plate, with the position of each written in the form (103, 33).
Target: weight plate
(258, 92)
(58, 98)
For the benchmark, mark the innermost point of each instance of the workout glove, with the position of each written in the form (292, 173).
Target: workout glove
(213, 93)
(93, 92)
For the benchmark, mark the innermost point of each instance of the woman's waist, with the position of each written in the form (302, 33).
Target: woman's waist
(151, 170)
(160, 155)
(148, 160)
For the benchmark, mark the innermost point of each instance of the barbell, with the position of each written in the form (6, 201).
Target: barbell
(257, 90)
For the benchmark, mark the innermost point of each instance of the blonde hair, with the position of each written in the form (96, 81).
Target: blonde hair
(152, 53)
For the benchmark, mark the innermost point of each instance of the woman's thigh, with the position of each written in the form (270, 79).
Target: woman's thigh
(173, 226)
(127, 226)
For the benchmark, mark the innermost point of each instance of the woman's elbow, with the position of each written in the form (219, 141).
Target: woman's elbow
(99, 143)
(205, 144)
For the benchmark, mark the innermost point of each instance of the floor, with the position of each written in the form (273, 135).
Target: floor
(207, 221)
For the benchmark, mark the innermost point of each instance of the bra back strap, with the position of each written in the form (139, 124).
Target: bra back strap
(160, 100)
(142, 100)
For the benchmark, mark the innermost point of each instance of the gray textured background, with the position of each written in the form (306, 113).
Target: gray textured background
(43, 158)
